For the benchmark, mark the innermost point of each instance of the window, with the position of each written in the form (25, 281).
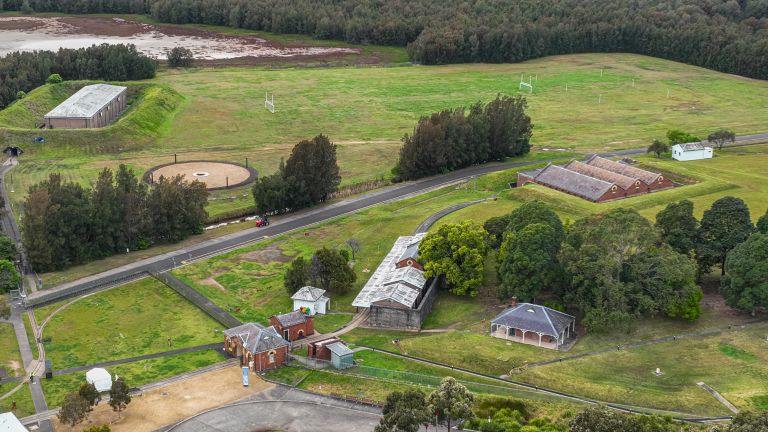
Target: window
(271, 357)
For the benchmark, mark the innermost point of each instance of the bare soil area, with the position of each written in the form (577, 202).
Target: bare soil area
(271, 253)
(213, 174)
(172, 403)
(52, 33)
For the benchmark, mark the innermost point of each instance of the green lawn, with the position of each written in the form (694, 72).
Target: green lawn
(329, 323)
(23, 397)
(367, 110)
(135, 374)
(128, 321)
(10, 358)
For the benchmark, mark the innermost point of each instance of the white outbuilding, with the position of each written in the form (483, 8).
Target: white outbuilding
(691, 151)
(311, 300)
(100, 378)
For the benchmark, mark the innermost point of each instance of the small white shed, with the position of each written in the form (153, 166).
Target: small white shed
(311, 301)
(100, 378)
(691, 151)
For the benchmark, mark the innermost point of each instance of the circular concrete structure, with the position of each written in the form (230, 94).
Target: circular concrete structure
(215, 175)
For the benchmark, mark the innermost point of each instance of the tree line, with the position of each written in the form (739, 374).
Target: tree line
(64, 223)
(460, 137)
(612, 267)
(308, 177)
(729, 36)
(21, 72)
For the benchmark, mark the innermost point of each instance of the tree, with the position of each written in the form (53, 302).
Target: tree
(329, 270)
(458, 252)
(73, 410)
(296, 275)
(762, 223)
(313, 166)
(180, 57)
(495, 227)
(7, 248)
(746, 421)
(98, 428)
(89, 393)
(26, 9)
(657, 147)
(176, 208)
(119, 396)
(9, 276)
(598, 419)
(451, 401)
(528, 262)
(726, 224)
(720, 137)
(354, 246)
(404, 412)
(535, 212)
(676, 136)
(678, 226)
(34, 229)
(745, 284)
(619, 269)
(54, 79)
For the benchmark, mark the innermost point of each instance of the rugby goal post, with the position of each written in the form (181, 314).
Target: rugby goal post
(269, 102)
(526, 85)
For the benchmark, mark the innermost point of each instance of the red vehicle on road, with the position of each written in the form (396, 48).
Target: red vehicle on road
(261, 221)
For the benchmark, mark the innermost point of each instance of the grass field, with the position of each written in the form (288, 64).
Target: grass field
(135, 374)
(367, 110)
(128, 321)
(10, 358)
(23, 397)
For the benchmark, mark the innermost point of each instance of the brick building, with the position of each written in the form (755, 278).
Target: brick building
(655, 181)
(93, 106)
(293, 325)
(258, 347)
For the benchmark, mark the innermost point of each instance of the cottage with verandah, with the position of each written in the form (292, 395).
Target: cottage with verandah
(534, 324)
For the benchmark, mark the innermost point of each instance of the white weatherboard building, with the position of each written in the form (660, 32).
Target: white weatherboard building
(9, 423)
(691, 151)
(312, 299)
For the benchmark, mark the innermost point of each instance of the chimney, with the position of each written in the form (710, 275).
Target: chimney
(513, 302)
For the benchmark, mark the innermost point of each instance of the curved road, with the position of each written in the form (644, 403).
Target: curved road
(302, 219)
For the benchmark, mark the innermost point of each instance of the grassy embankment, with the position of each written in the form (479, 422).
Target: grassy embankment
(10, 360)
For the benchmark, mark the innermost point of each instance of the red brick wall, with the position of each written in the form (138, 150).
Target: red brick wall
(664, 183)
(261, 360)
(306, 329)
(413, 263)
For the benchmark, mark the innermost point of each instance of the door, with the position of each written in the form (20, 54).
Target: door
(285, 334)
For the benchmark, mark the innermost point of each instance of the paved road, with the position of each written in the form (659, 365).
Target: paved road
(168, 261)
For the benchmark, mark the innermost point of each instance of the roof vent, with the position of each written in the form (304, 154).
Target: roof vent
(531, 310)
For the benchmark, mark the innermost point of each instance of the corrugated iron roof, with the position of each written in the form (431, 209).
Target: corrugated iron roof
(628, 170)
(340, 349)
(291, 318)
(570, 181)
(691, 146)
(377, 287)
(86, 102)
(625, 182)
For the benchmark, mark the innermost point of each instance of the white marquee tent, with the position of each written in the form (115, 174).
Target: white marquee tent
(100, 378)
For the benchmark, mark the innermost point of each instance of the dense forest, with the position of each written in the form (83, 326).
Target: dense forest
(64, 223)
(726, 35)
(22, 71)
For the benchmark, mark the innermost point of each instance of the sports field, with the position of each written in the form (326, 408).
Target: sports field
(611, 101)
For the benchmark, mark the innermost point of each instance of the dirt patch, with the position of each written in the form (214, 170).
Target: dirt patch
(214, 283)
(174, 402)
(215, 175)
(716, 302)
(52, 33)
(19, 24)
(270, 254)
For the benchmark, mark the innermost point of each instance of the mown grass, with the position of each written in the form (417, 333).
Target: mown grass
(10, 356)
(367, 110)
(128, 321)
(328, 323)
(23, 398)
(135, 374)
